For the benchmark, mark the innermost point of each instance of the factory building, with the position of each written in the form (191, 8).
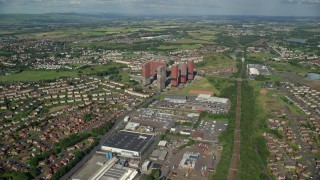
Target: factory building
(113, 171)
(128, 144)
(189, 160)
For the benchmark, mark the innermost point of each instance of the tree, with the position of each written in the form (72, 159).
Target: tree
(149, 177)
(155, 173)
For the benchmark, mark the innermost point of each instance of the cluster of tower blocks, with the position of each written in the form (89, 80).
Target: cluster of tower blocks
(180, 73)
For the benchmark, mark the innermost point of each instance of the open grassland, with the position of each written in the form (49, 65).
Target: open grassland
(216, 62)
(5, 53)
(82, 32)
(208, 85)
(260, 56)
(287, 67)
(85, 32)
(193, 41)
(205, 34)
(37, 75)
(314, 30)
(275, 100)
(178, 47)
(227, 136)
(200, 87)
(253, 153)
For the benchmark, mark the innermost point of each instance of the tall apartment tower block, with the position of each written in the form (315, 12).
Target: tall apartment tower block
(182, 73)
(190, 65)
(161, 78)
(174, 75)
(149, 70)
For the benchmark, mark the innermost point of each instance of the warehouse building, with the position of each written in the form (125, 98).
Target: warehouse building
(253, 71)
(208, 98)
(112, 171)
(128, 144)
(175, 98)
(189, 160)
(132, 126)
(158, 155)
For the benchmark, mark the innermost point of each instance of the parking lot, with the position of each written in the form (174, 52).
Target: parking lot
(207, 159)
(161, 119)
(211, 129)
(191, 104)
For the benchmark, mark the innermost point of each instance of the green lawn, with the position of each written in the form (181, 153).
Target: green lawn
(226, 137)
(253, 122)
(5, 53)
(203, 34)
(36, 75)
(33, 75)
(178, 47)
(202, 86)
(216, 62)
(193, 41)
(287, 67)
(260, 56)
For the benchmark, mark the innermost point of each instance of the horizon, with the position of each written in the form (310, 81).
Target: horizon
(162, 15)
(286, 8)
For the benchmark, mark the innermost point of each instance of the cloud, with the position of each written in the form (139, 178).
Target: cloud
(305, 2)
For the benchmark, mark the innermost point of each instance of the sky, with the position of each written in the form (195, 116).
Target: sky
(166, 7)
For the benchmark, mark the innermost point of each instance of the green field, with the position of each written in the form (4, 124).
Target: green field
(33, 75)
(83, 32)
(203, 34)
(260, 56)
(226, 137)
(216, 62)
(287, 67)
(202, 86)
(5, 53)
(193, 41)
(178, 47)
(274, 100)
(253, 153)
(36, 75)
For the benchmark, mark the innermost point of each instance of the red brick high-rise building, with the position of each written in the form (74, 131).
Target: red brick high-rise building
(174, 75)
(161, 78)
(190, 65)
(146, 71)
(183, 72)
(149, 70)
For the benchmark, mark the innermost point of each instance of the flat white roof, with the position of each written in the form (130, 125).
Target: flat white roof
(253, 71)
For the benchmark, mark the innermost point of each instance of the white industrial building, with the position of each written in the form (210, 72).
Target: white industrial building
(189, 160)
(146, 165)
(112, 171)
(208, 98)
(132, 126)
(253, 71)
